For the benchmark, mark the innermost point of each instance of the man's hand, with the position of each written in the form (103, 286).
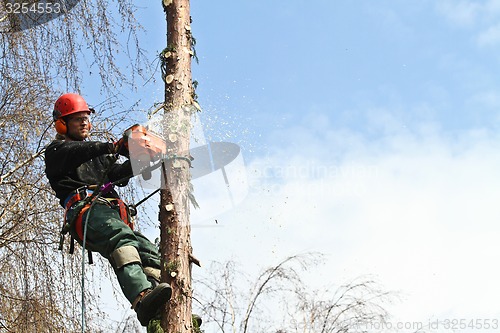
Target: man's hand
(121, 147)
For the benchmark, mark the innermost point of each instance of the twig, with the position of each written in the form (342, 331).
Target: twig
(20, 165)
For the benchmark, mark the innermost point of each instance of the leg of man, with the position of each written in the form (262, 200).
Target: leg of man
(108, 235)
(150, 257)
(114, 240)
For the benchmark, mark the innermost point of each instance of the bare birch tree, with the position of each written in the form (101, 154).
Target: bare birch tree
(279, 300)
(40, 286)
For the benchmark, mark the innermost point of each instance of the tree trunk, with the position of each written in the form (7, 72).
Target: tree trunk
(174, 203)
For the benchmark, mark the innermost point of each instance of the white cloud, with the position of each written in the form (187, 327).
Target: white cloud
(461, 13)
(489, 99)
(468, 13)
(419, 210)
(483, 16)
(490, 36)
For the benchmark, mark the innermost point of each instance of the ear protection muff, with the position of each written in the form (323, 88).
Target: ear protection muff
(59, 123)
(60, 126)
(90, 124)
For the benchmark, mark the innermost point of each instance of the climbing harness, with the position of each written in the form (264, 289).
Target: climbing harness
(78, 203)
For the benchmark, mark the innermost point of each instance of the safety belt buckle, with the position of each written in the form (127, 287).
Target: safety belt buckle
(77, 195)
(83, 192)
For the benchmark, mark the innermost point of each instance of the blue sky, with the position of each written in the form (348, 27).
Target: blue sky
(340, 58)
(369, 131)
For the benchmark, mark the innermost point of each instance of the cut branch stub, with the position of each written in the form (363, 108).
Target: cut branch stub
(169, 79)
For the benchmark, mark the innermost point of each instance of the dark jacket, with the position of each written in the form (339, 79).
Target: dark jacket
(72, 164)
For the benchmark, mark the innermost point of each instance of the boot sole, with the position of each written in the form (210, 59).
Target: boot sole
(148, 310)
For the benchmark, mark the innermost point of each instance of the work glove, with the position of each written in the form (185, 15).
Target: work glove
(121, 147)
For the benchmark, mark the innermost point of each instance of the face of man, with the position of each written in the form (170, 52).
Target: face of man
(78, 126)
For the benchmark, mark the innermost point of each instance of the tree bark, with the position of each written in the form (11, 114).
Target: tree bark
(175, 244)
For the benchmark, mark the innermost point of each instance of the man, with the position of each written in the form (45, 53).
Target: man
(75, 167)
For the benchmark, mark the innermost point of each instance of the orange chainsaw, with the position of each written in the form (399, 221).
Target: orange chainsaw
(144, 148)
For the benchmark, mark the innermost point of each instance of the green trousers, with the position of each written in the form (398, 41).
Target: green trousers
(106, 232)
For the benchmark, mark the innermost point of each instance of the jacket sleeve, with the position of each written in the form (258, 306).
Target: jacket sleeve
(120, 171)
(61, 157)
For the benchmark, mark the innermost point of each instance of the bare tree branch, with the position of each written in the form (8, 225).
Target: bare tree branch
(347, 308)
(20, 165)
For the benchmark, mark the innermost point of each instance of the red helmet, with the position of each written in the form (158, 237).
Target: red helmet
(68, 104)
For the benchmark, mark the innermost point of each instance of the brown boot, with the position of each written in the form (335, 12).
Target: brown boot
(148, 302)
